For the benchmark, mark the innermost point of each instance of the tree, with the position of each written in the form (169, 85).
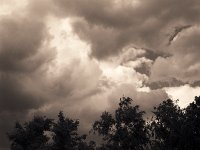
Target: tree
(30, 136)
(171, 128)
(166, 126)
(191, 125)
(174, 128)
(126, 130)
(65, 136)
(33, 135)
(86, 146)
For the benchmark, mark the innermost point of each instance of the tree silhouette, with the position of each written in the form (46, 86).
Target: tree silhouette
(126, 130)
(166, 126)
(174, 128)
(30, 136)
(171, 128)
(86, 146)
(65, 134)
(191, 125)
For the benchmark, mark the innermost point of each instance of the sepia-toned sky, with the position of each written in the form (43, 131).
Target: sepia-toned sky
(81, 56)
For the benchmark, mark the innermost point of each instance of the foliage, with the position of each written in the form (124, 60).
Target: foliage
(126, 130)
(171, 128)
(30, 136)
(65, 134)
(166, 126)
(191, 125)
(174, 128)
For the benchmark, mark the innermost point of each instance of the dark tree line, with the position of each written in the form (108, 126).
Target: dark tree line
(171, 128)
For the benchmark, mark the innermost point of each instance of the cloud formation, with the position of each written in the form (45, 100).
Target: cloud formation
(184, 62)
(111, 26)
(81, 56)
(24, 60)
(144, 23)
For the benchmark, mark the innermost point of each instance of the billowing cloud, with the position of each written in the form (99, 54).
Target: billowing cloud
(144, 23)
(24, 58)
(20, 41)
(183, 65)
(81, 56)
(111, 26)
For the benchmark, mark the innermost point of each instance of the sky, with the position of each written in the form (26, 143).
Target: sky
(81, 56)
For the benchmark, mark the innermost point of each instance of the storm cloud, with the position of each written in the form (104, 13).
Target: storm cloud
(144, 23)
(159, 27)
(81, 56)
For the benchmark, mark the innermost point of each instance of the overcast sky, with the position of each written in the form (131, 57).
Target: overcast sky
(81, 56)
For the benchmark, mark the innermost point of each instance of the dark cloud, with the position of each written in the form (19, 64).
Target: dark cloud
(177, 30)
(14, 97)
(21, 56)
(23, 63)
(20, 41)
(173, 82)
(153, 55)
(109, 26)
(80, 82)
(144, 68)
(98, 37)
(145, 59)
(132, 33)
(195, 84)
(184, 62)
